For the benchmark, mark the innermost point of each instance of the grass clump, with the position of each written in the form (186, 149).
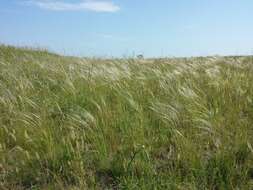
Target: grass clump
(71, 123)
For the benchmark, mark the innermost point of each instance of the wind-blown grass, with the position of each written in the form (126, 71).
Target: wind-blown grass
(71, 123)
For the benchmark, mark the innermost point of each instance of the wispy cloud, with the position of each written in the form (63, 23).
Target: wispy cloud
(86, 5)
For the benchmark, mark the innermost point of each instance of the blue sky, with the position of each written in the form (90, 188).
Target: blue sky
(126, 27)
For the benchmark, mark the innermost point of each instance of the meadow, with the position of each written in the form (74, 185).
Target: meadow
(73, 123)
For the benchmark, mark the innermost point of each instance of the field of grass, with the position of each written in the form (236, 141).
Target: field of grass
(71, 123)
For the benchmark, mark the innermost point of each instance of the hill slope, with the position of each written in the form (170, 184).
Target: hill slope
(70, 123)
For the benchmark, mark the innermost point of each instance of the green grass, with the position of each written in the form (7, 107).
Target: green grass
(71, 123)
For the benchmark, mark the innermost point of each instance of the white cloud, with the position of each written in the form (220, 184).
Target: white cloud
(91, 5)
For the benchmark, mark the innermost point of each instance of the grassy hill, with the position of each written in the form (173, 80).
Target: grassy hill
(71, 123)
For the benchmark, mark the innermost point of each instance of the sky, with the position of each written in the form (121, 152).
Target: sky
(125, 28)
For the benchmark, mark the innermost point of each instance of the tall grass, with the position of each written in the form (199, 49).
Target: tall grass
(70, 123)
